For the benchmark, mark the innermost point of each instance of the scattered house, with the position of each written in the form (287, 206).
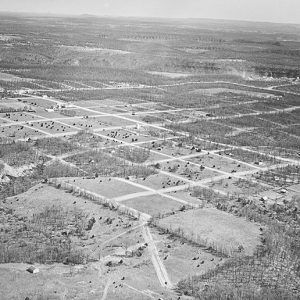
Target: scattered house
(228, 153)
(111, 261)
(60, 106)
(131, 251)
(57, 107)
(283, 191)
(69, 105)
(21, 92)
(33, 270)
(264, 198)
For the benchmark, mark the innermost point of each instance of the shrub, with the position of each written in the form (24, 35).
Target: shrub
(43, 238)
(60, 169)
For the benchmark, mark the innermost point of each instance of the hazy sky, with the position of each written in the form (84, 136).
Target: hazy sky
(257, 10)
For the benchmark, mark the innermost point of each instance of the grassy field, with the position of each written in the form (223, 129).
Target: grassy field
(212, 228)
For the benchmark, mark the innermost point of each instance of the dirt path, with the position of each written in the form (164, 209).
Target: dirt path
(160, 269)
(150, 192)
(266, 89)
(147, 293)
(105, 291)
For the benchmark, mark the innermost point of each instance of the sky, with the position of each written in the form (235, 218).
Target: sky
(281, 11)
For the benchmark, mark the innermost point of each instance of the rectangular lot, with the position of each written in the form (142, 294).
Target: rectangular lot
(109, 110)
(256, 159)
(146, 118)
(159, 181)
(188, 170)
(170, 148)
(3, 121)
(115, 121)
(41, 112)
(90, 140)
(51, 127)
(221, 163)
(105, 186)
(38, 102)
(56, 146)
(154, 205)
(20, 116)
(19, 132)
(183, 260)
(218, 229)
(185, 195)
(237, 186)
(103, 103)
(127, 136)
(86, 122)
(88, 103)
(84, 112)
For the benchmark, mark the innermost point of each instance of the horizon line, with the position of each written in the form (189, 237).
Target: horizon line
(142, 17)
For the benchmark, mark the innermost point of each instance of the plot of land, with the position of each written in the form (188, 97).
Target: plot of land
(183, 260)
(6, 76)
(159, 181)
(90, 140)
(170, 148)
(105, 186)
(51, 127)
(109, 110)
(92, 123)
(38, 102)
(220, 163)
(82, 112)
(238, 186)
(56, 146)
(20, 116)
(154, 205)
(128, 136)
(19, 132)
(115, 121)
(170, 75)
(253, 158)
(214, 91)
(186, 196)
(215, 228)
(188, 170)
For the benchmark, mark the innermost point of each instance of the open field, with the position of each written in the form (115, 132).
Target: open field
(105, 186)
(218, 162)
(87, 139)
(238, 186)
(159, 181)
(188, 170)
(215, 229)
(154, 205)
(20, 132)
(148, 159)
